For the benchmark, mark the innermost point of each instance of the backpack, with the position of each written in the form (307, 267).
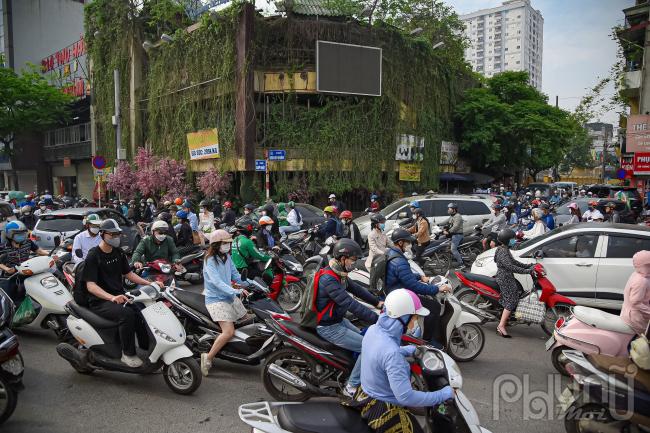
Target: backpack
(340, 230)
(79, 290)
(310, 316)
(377, 281)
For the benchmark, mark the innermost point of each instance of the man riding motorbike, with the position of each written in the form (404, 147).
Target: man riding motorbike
(87, 239)
(455, 231)
(167, 217)
(27, 217)
(104, 270)
(386, 391)
(247, 258)
(334, 302)
(156, 246)
(494, 224)
(350, 229)
(329, 226)
(400, 275)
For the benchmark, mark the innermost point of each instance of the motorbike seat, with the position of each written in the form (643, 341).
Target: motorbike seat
(488, 281)
(624, 367)
(89, 316)
(321, 417)
(312, 337)
(602, 320)
(196, 301)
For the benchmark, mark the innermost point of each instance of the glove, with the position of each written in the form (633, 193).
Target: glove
(447, 393)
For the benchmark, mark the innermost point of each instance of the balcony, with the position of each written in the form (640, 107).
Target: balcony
(70, 142)
(72, 151)
(631, 84)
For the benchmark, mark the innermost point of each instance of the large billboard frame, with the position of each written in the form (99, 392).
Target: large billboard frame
(381, 65)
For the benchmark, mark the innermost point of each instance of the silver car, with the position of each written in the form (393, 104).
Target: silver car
(473, 208)
(67, 222)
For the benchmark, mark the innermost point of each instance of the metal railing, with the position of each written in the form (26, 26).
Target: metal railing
(70, 142)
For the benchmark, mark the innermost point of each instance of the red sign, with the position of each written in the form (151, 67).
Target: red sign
(77, 88)
(642, 163)
(64, 56)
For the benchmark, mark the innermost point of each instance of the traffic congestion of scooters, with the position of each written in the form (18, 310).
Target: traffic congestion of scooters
(310, 302)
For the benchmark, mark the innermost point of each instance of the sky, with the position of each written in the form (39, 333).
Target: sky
(578, 50)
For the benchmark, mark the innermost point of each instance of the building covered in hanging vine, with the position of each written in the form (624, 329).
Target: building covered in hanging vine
(353, 106)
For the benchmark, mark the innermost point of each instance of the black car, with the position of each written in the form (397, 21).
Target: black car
(610, 191)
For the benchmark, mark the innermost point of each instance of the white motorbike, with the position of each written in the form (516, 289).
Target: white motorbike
(48, 295)
(99, 344)
(438, 370)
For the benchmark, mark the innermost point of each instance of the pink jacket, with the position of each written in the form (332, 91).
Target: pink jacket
(636, 299)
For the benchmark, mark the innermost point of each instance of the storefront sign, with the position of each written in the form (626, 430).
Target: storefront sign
(409, 148)
(638, 134)
(409, 172)
(203, 144)
(448, 153)
(65, 56)
(66, 162)
(642, 163)
(66, 69)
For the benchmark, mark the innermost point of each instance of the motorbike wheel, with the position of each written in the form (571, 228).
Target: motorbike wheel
(552, 316)
(8, 400)
(466, 342)
(290, 296)
(469, 296)
(579, 418)
(298, 364)
(556, 359)
(437, 265)
(183, 376)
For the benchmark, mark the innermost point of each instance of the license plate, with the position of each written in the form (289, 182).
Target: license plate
(550, 342)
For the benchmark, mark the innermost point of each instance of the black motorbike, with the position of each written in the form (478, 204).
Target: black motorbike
(11, 361)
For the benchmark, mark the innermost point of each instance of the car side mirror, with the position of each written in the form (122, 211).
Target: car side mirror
(539, 254)
(402, 215)
(79, 253)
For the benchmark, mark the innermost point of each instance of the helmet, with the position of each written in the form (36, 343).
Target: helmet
(346, 214)
(401, 235)
(347, 248)
(178, 201)
(593, 203)
(403, 302)
(187, 204)
(14, 227)
(373, 197)
(150, 200)
(611, 205)
(452, 205)
(505, 235)
(329, 209)
(181, 214)
(248, 206)
(572, 206)
(42, 203)
(509, 194)
(244, 225)
(159, 225)
(291, 204)
(220, 236)
(332, 196)
(165, 216)
(26, 209)
(269, 209)
(93, 219)
(227, 204)
(415, 204)
(265, 220)
(640, 352)
(377, 218)
(167, 203)
(110, 226)
(204, 203)
(417, 211)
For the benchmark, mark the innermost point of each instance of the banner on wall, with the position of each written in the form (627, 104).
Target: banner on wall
(409, 172)
(203, 144)
(637, 134)
(642, 163)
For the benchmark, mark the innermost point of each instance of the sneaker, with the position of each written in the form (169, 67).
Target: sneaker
(205, 364)
(349, 390)
(131, 361)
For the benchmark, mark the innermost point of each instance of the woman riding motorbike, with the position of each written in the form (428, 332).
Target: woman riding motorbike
(636, 298)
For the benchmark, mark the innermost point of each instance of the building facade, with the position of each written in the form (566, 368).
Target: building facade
(602, 136)
(50, 35)
(509, 37)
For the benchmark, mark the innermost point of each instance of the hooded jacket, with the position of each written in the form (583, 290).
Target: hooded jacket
(399, 275)
(636, 298)
(385, 373)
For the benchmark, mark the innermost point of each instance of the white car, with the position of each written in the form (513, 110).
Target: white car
(588, 262)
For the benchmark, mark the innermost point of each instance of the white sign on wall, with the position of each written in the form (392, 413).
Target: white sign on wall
(409, 148)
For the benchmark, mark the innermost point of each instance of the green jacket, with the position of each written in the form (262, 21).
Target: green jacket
(282, 216)
(148, 250)
(244, 252)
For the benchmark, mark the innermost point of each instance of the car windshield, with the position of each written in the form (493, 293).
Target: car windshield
(66, 223)
(529, 242)
(393, 207)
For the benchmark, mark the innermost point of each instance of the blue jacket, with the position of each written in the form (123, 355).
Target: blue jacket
(218, 276)
(330, 289)
(549, 221)
(327, 229)
(400, 276)
(385, 374)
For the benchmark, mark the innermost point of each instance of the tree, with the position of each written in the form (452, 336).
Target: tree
(121, 181)
(212, 183)
(28, 103)
(508, 125)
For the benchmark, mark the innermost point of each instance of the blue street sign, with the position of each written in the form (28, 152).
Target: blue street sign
(277, 155)
(260, 165)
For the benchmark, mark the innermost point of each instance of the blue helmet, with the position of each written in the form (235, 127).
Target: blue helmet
(509, 194)
(415, 204)
(373, 197)
(14, 227)
(181, 214)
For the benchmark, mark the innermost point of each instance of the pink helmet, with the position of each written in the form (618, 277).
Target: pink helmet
(401, 302)
(572, 206)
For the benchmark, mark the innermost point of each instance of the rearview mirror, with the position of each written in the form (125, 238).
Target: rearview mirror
(539, 254)
(402, 215)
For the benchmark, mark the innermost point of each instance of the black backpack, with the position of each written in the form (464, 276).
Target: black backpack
(378, 273)
(79, 290)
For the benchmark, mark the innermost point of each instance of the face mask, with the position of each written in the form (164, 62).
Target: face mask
(382, 226)
(27, 213)
(160, 237)
(414, 217)
(416, 331)
(94, 230)
(246, 212)
(224, 248)
(114, 242)
(263, 213)
(43, 207)
(202, 209)
(267, 228)
(512, 242)
(324, 215)
(20, 238)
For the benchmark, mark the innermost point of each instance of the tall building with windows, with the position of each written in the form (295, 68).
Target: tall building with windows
(509, 37)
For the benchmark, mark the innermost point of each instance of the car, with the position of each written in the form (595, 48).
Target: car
(66, 222)
(610, 191)
(588, 262)
(311, 215)
(474, 209)
(563, 214)
(544, 188)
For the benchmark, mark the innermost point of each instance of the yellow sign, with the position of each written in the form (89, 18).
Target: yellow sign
(409, 172)
(203, 144)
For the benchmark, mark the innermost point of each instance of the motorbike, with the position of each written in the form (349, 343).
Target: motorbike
(480, 295)
(435, 370)
(99, 344)
(252, 340)
(588, 330)
(607, 394)
(304, 243)
(287, 287)
(11, 361)
(163, 271)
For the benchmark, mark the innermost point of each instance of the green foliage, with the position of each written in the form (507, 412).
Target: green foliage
(28, 103)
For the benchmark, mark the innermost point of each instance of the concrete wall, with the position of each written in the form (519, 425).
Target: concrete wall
(85, 181)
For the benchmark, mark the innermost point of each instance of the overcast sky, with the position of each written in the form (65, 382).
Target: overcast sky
(577, 46)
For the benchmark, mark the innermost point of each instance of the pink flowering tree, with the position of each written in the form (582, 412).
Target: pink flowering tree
(172, 183)
(213, 182)
(147, 177)
(121, 181)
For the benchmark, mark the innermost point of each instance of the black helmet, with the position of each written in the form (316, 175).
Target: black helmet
(347, 248)
(110, 226)
(452, 205)
(245, 225)
(249, 206)
(204, 203)
(269, 209)
(377, 218)
(417, 211)
(401, 235)
(505, 235)
(165, 216)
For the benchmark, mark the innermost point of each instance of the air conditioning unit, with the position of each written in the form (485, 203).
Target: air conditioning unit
(121, 153)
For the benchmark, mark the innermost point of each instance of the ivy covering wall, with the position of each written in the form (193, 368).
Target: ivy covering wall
(347, 142)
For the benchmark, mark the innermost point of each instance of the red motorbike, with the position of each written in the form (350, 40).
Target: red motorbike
(480, 295)
(287, 287)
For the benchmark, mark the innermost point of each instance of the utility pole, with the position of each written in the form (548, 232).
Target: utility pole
(116, 118)
(603, 156)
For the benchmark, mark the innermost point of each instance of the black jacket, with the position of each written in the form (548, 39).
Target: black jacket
(229, 217)
(352, 231)
(184, 237)
(330, 289)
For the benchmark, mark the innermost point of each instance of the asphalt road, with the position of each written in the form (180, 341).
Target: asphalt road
(511, 384)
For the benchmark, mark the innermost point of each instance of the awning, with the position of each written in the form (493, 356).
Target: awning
(456, 177)
(482, 179)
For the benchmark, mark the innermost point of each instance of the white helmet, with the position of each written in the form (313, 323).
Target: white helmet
(401, 302)
(538, 194)
(159, 225)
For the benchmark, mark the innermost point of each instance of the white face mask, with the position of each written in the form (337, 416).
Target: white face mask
(43, 207)
(94, 230)
(160, 237)
(224, 248)
(267, 228)
(202, 209)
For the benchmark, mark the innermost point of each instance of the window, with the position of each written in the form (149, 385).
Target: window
(434, 208)
(578, 246)
(53, 223)
(467, 207)
(624, 247)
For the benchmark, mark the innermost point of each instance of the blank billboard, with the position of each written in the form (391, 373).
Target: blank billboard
(350, 69)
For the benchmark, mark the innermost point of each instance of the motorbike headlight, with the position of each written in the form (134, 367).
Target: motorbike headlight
(163, 335)
(165, 268)
(480, 262)
(49, 282)
(432, 362)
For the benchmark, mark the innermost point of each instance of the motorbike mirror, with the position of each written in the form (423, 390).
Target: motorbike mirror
(539, 254)
(402, 215)
(79, 253)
